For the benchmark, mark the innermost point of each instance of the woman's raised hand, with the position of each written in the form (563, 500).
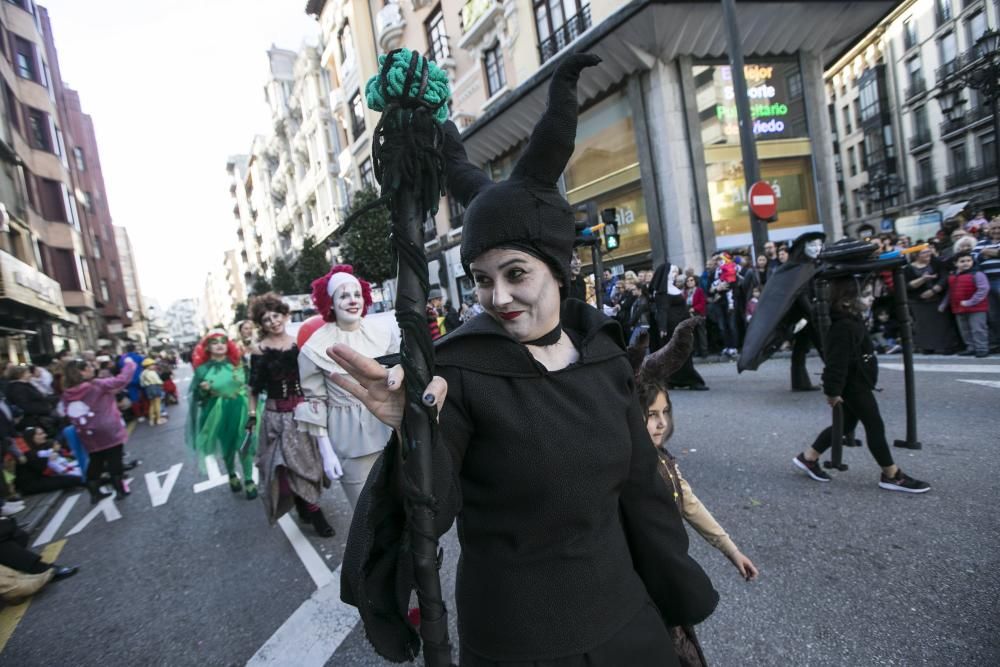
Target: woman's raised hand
(378, 388)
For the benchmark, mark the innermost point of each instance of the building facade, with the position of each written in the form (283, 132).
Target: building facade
(899, 152)
(657, 144)
(138, 330)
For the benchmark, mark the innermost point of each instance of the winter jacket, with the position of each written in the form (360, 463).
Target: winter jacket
(849, 356)
(92, 408)
(566, 528)
(696, 301)
(967, 292)
(26, 396)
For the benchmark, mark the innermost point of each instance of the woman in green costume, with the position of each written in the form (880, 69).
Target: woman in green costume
(217, 414)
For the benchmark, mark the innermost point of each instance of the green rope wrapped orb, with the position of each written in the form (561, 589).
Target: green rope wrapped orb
(436, 94)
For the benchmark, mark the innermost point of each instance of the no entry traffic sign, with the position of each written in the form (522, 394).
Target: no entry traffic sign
(763, 201)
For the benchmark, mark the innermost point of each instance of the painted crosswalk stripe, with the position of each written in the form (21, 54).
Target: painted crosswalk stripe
(947, 368)
(314, 631)
(985, 383)
(304, 549)
(56, 522)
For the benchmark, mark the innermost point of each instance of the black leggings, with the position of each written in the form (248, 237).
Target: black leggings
(860, 405)
(107, 460)
(14, 552)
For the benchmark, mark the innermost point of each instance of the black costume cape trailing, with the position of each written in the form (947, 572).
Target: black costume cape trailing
(549, 567)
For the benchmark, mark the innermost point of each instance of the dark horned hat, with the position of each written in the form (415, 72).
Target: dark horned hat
(527, 211)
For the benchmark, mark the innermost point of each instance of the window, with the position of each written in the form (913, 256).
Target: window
(493, 64)
(24, 59)
(857, 110)
(437, 38)
(852, 161)
(975, 27)
(13, 108)
(367, 173)
(913, 68)
(81, 164)
(920, 121)
(88, 202)
(833, 120)
(794, 83)
(942, 11)
(925, 172)
(38, 129)
(559, 22)
(345, 40)
(97, 247)
(868, 102)
(357, 116)
(959, 162)
(856, 198)
(909, 34)
(53, 207)
(987, 154)
(889, 142)
(947, 49)
(105, 294)
(846, 112)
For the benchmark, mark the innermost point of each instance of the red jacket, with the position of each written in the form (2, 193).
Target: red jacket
(961, 288)
(698, 302)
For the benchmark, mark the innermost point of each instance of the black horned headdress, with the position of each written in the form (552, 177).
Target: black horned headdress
(527, 211)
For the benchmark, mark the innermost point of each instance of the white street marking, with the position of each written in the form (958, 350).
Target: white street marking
(313, 632)
(947, 368)
(985, 383)
(159, 494)
(106, 507)
(314, 565)
(215, 476)
(56, 522)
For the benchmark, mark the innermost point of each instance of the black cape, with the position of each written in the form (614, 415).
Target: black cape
(566, 527)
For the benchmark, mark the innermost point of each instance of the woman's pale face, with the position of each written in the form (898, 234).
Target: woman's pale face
(246, 330)
(518, 290)
(38, 437)
(348, 303)
(88, 371)
(273, 323)
(690, 283)
(924, 255)
(761, 261)
(658, 419)
(218, 347)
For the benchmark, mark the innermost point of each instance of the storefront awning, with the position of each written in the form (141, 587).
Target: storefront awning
(634, 37)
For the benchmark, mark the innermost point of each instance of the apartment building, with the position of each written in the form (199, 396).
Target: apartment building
(910, 138)
(62, 284)
(658, 140)
(138, 313)
(288, 186)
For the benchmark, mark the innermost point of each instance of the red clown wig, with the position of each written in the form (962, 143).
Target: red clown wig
(201, 353)
(323, 300)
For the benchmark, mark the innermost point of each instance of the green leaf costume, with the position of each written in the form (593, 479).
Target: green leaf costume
(217, 415)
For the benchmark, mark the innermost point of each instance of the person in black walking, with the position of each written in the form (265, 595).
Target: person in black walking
(849, 379)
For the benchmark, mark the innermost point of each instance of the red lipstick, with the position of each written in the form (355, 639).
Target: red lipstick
(514, 314)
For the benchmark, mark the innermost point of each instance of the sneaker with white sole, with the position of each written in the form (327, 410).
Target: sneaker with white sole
(903, 482)
(11, 508)
(811, 468)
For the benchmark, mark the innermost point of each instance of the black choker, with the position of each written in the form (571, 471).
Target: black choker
(551, 338)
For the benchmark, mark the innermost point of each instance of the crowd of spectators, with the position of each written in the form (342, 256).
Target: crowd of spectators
(954, 302)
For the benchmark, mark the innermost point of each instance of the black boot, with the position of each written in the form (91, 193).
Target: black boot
(120, 490)
(319, 522)
(96, 495)
(301, 508)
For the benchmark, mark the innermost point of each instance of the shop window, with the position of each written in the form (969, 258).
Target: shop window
(605, 144)
(496, 79)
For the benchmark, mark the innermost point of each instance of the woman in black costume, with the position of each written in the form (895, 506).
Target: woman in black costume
(289, 463)
(573, 551)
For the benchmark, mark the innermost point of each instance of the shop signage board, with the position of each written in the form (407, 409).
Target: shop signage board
(23, 283)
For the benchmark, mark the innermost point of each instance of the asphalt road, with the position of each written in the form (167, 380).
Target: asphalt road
(850, 574)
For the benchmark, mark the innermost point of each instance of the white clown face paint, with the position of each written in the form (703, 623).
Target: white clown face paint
(347, 305)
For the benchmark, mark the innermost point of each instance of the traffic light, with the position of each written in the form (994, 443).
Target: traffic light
(611, 241)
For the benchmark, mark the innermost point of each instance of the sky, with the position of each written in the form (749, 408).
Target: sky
(174, 87)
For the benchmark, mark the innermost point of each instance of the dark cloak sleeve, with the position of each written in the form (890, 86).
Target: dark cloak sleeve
(657, 540)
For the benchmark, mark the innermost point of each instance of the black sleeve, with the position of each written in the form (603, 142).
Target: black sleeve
(657, 539)
(258, 374)
(840, 346)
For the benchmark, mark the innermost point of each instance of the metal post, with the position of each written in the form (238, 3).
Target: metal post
(595, 251)
(906, 331)
(996, 140)
(748, 148)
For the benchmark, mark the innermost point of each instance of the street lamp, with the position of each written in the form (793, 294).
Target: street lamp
(983, 74)
(880, 187)
(951, 101)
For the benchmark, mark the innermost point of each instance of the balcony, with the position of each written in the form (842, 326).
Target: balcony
(970, 117)
(389, 25)
(917, 87)
(948, 69)
(968, 176)
(564, 35)
(477, 20)
(925, 190)
(920, 140)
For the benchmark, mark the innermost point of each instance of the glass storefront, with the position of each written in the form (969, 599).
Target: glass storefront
(778, 110)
